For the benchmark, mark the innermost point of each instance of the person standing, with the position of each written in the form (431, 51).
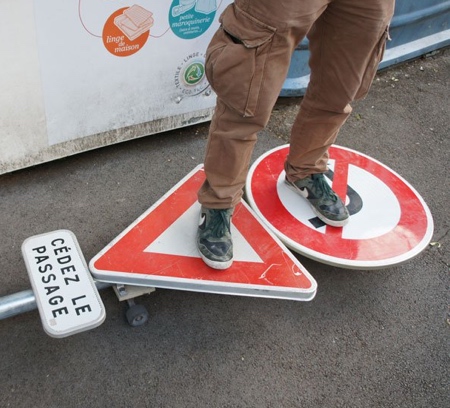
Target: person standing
(246, 64)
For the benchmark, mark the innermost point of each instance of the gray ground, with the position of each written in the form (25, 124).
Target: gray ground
(368, 339)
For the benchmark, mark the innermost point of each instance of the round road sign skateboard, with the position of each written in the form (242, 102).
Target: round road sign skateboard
(389, 224)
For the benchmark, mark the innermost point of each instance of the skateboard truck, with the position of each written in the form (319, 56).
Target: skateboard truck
(136, 314)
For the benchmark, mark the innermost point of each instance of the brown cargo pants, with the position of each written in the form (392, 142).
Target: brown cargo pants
(246, 65)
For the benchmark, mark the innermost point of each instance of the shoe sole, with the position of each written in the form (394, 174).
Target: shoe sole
(327, 221)
(216, 264)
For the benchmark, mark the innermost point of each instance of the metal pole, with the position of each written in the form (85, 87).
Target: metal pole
(17, 303)
(25, 301)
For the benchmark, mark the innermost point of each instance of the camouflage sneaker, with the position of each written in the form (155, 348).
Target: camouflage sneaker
(323, 200)
(214, 237)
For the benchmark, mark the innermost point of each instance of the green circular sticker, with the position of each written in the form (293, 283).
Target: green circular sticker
(190, 78)
(189, 19)
(194, 73)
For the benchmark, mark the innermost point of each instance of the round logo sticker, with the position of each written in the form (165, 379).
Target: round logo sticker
(190, 78)
(127, 30)
(194, 73)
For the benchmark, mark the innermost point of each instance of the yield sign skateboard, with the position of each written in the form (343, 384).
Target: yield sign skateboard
(159, 250)
(389, 224)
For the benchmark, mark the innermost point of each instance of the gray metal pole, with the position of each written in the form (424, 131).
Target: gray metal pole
(17, 303)
(25, 301)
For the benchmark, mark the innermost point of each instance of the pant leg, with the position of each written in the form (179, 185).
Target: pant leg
(246, 63)
(346, 45)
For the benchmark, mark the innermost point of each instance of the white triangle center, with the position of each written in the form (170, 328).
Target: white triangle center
(179, 239)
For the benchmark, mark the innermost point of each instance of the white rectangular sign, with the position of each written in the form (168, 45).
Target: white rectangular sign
(66, 295)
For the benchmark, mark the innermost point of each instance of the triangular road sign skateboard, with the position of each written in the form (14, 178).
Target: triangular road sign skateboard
(158, 250)
(389, 223)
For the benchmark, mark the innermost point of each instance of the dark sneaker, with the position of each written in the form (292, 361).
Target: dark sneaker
(214, 237)
(323, 200)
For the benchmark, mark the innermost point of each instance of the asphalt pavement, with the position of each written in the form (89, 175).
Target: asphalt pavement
(376, 338)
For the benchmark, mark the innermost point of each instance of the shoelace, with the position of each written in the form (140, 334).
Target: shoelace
(219, 223)
(323, 187)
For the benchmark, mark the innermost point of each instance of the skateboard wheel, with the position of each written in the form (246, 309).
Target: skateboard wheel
(137, 315)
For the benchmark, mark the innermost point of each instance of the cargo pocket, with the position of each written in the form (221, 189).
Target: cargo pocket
(372, 67)
(236, 58)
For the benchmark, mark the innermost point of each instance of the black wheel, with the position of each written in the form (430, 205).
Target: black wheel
(137, 315)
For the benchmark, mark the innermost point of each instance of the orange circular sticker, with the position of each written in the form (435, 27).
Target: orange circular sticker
(127, 30)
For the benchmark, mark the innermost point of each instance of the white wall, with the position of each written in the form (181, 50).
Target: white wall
(62, 92)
